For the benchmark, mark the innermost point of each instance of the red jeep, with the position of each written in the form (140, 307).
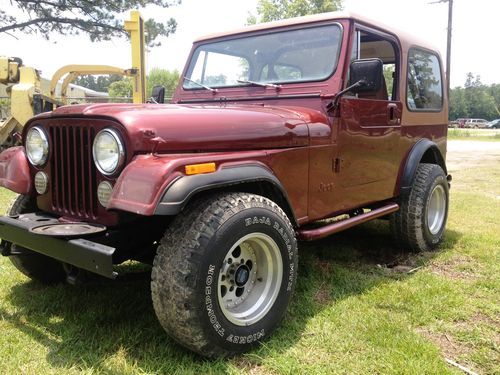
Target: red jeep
(272, 128)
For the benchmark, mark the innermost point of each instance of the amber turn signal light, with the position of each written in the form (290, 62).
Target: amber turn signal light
(200, 168)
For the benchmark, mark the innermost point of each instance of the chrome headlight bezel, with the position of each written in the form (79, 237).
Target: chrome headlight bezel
(120, 157)
(37, 162)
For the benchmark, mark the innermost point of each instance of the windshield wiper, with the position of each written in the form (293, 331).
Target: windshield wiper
(261, 84)
(201, 85)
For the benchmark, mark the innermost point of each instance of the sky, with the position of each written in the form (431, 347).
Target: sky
(475, 32)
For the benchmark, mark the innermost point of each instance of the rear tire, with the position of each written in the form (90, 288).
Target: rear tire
(420, 223)
(34, 265)
(224, 273)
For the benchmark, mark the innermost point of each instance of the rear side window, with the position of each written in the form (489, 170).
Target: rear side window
(425, 86)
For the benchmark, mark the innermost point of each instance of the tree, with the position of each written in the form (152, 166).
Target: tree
(97, 83)
(121, 89)
(156, 77)
(494, 91)
(96, 18)
(162, 77)
(475, 100)
(273, 10)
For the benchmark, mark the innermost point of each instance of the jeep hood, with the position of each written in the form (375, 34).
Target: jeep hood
(192, 128)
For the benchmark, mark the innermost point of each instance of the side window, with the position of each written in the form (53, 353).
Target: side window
(425, 86)
(369, 45)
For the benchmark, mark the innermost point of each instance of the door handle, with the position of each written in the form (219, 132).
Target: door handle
(393, 114)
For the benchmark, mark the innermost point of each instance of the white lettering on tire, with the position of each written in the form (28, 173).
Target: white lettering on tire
(208, 302)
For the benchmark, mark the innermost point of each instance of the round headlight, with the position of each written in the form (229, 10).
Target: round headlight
(108, 151)
(37, 146)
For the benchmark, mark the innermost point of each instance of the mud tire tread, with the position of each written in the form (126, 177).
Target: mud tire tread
(179, 256)
(407, 224)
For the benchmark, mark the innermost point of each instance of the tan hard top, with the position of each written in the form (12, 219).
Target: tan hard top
(405, 38)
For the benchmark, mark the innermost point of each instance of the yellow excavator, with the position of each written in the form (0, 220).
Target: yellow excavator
(28, 100)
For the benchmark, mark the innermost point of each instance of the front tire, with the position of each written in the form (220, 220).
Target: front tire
(420, 223)
(224, 274)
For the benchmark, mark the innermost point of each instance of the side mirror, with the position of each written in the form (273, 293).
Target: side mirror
(366, 75)
(158, 94)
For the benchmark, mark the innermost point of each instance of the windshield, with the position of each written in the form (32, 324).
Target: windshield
(307, 54)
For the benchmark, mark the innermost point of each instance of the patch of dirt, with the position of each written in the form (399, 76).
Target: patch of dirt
(322, 295)
(481, 319)
(446, 343)
(249, 367)
(403, 263)
(449, 269)
(453, 274)
(458, 351)
(324, 267)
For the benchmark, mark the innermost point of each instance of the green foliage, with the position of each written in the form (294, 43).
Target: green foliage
(475, 100)
(97, 83)
(156, 29)
(124, 87)
(389, 70)
(273, 10)
(162, 77)
(121, 89)
(474, 134)
(96, 18)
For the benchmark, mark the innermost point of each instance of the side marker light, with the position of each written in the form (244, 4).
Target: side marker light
(200, 168)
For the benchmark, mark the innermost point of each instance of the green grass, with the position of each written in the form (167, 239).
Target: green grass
(354, 311)
(474, 134)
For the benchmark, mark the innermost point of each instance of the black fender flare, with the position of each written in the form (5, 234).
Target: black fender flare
(415, 156)
(181, 190)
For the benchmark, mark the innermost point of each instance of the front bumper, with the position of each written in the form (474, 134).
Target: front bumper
(79, 252)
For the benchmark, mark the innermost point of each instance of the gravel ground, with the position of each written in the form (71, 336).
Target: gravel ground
(468, 154)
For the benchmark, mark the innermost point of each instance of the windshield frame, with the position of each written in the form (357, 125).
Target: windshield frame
(191, 63)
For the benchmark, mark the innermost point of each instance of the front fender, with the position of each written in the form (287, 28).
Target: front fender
(157, 184)
(142, 183)
(15, 171)
(180, 190)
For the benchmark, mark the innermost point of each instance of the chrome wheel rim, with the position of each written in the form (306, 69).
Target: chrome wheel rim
(250, 279)
(436, 209)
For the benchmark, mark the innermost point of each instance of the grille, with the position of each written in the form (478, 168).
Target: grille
(72, 169)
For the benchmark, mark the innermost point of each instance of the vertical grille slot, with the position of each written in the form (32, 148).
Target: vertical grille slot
(72, 171)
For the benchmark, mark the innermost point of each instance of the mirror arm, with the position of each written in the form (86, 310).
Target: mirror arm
(332, 106)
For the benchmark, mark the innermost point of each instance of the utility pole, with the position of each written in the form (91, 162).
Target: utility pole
(448, 44)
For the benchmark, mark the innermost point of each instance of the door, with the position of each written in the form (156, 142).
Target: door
(369, 129)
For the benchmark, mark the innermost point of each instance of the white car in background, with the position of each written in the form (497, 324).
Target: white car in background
(476, 123)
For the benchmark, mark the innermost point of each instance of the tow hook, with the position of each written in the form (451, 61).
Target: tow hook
(5, 248)
(74, 275)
